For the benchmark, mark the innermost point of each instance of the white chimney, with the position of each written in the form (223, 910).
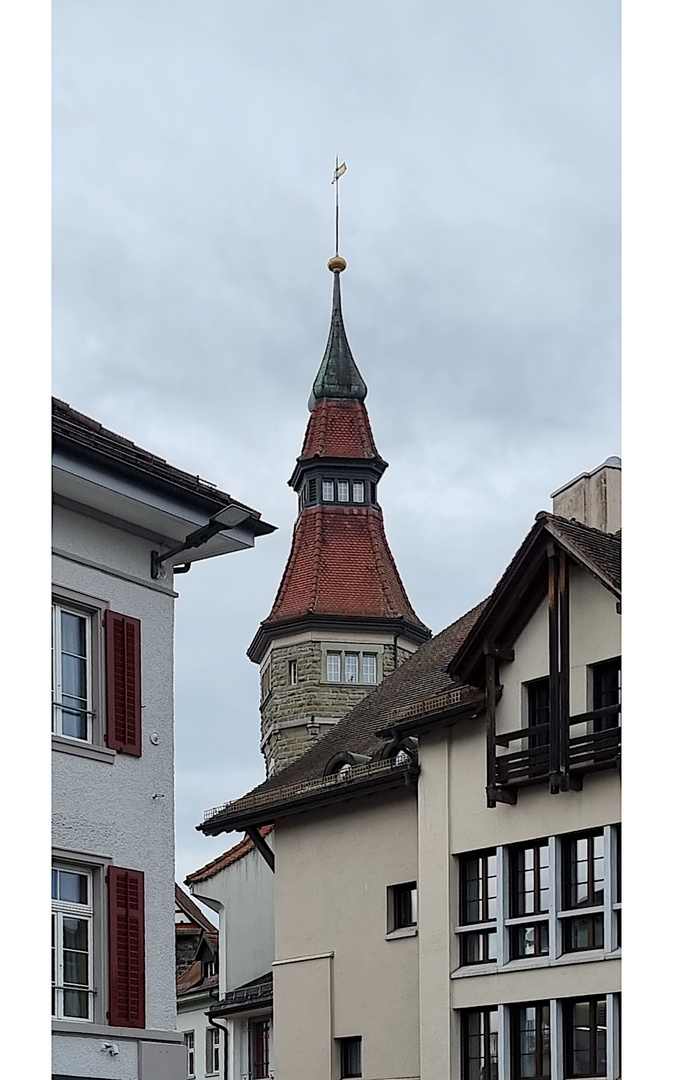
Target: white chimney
(593, 498)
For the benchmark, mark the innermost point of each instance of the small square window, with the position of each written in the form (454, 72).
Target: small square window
(358, 491)
(402, 906)
(328, 490)
(342, 491)
(351, 1056)
(292, 672)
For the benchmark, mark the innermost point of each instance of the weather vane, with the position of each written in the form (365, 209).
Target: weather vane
(338, 173)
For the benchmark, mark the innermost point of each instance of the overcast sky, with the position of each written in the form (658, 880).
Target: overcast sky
(194, 142)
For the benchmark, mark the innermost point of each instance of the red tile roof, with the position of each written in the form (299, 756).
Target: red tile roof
(192, 978)
(231, 856)
(340, 564)
(185, 904)
(339, 428)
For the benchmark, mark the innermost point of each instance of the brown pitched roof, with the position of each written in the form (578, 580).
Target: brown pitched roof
(233, 854)
(340, 564)
(339, 429)
(187, 905)
(601, 552)
(192, 979)
(71, 427)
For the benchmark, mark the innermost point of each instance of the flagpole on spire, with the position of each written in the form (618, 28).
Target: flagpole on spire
(338, 172)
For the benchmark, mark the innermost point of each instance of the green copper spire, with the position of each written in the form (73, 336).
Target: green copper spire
(338, 376)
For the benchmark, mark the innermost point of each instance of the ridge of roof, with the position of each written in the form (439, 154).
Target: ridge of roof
(232, 855)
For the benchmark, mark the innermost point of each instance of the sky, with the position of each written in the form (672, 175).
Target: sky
(193, 148)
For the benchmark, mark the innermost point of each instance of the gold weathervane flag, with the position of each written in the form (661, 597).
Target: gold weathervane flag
(339, 172)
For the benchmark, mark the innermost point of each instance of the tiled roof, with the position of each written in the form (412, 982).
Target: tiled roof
(192, 979)
(599, 550)
(339, 428)
(340, 564)
(231, 856)
(74, 428)
(187, 905)
(419, 677)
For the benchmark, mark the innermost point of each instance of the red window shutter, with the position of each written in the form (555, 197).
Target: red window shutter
(127, 947)
(122, 649)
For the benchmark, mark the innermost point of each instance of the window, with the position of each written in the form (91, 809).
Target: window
(369, 668)
(529, 878)
(72, 711)
(531, 1056)
(292, 672)
(480, 1044)
(606, 679)
(189, 1043)
(266, 682)
(583, 887)
(350, 1052)
(342, 491)
(259, 1049)
(351, 667)
(358, 491)
(538, 710)
(210, 969)
(212, 1050)
(402, 906)
(478, 905)
(333, 667)
(328, 490)
(71, 948)
(585, 1029)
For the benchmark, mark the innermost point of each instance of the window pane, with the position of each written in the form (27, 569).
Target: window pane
(342, 490)
(75, 968)
(73, 634)
(351, 667)
(54, 884)
(73, 887)
(75, 933)
(369, 668)
(328, 490)
(74, 724)
(76, 1003)
(358, 491)
(334, 667)
(74, 677)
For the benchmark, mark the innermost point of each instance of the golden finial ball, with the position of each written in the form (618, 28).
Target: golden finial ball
(336, 264)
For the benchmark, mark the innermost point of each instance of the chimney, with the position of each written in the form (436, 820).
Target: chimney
(593, 498)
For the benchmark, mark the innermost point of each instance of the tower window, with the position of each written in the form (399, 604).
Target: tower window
(312, 490)
(369, 667)
(328, 490)
(342, 490)
(351, 667)
(292, 672)
(334, 667)
(372, 489)
(358, 491)
(354, 667)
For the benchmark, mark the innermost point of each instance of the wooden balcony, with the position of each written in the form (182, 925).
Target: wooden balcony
(591, 741)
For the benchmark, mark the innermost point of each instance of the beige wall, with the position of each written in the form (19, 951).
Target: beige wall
(332, 872)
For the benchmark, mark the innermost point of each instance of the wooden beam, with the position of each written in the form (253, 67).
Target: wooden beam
(564, 665)
(554, 681)
(491, 702)
(262, 846)
(499, 652)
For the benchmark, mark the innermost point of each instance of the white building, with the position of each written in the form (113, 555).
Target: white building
(447, 858)
(123, 519)
(239, 887)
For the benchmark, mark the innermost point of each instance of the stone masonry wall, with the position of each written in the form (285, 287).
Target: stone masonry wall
(310, 697)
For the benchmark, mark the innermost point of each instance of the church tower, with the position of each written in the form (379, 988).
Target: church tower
(341, 620)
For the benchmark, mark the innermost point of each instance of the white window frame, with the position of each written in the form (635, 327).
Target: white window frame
(343, 486)
(556, 914)
(63, 909)
(292, 672)
(358, 491)
(212, 1050)
(190, 1043)
(59, 607)
(351, 666)
(328, 486)
(344, 650)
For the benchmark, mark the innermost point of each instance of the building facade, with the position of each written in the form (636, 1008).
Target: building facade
(124, 521)
(447, 858)
(341, 620)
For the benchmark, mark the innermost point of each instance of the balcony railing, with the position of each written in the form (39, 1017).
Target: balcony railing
(597, 746)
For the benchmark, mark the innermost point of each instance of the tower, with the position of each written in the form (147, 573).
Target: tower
(341, 620)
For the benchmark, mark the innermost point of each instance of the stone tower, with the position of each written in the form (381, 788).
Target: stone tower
(341, 620)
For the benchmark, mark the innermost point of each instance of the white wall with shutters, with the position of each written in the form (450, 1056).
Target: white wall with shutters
(120, 807)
